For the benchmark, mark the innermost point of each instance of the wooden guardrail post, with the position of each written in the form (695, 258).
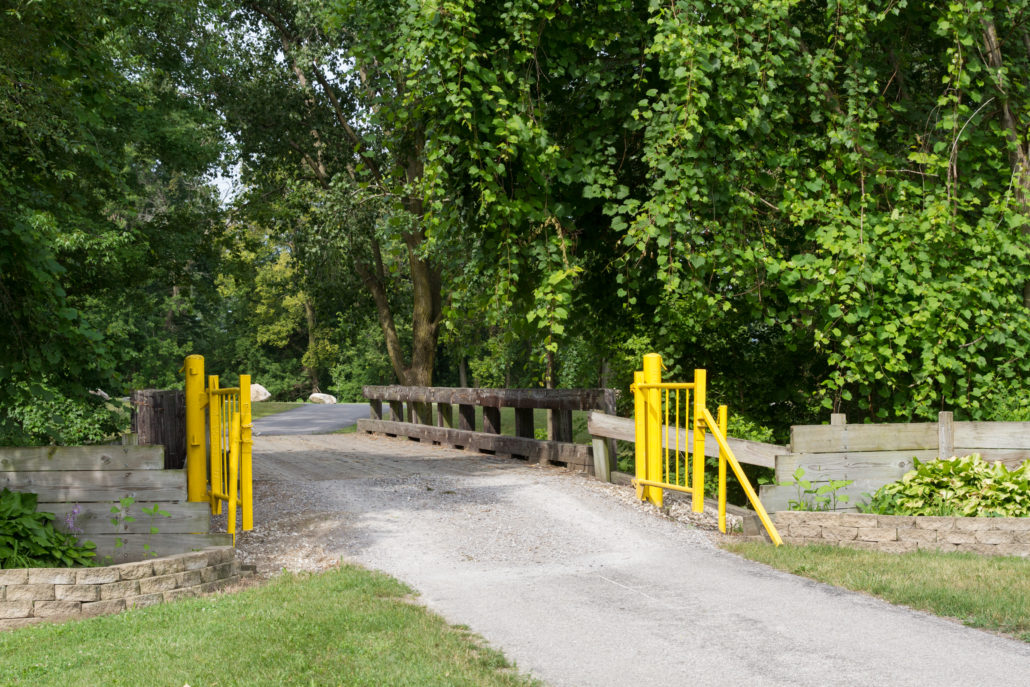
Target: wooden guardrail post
(159, 419)
(375, 409)
(945, 434)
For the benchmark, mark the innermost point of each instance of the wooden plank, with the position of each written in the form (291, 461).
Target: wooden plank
(492, 420)
(95, 518)
(838, 419)
(573, 454)
(992, 435)
(886, 465)
(444, 415)
(602, 460)
(81, 486)
(775, 497)
(160, 545)
(873, 437)
(562, 399)
(375, 409)
(750, 452)
(159, 419)
(82, 458)
(524, 423)
(945, 434)
(423, 413)
(1012, 457)
(467, 418)
(396, 411)
(561, 425)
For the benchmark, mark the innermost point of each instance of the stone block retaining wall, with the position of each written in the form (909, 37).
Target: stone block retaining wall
(29, 595)
(899, 533)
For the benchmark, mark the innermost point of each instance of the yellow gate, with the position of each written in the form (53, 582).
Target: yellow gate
(224, 473)
(662, 412)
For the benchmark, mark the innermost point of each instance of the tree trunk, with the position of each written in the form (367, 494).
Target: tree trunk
(463, 372)
(312, 367)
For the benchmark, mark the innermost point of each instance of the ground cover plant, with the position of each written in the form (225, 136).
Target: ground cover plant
(347, 626)
(28, 538)
(991, 593)
(967, 486)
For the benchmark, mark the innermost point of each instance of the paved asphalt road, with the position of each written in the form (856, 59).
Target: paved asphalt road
(583, 587)
(311, 418)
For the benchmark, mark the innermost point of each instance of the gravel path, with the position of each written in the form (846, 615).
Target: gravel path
(581, 585)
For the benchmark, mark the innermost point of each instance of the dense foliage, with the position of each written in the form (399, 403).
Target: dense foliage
(824, 203)
(967, 486)
(28, 538)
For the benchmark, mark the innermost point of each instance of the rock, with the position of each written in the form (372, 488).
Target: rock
(259, 393)
(321, 398)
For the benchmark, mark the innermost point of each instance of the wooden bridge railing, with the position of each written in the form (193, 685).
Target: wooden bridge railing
(426, 414)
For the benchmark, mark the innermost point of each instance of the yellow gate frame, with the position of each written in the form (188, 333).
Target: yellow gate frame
(227, 475)
(654, 473)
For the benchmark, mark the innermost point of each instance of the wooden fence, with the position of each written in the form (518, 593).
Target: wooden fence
(95, 479)
(875, 454)
(159, 419)
(427, 414)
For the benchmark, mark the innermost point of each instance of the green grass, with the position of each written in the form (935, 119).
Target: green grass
(992, 593)
(347, 626)
(266, 408)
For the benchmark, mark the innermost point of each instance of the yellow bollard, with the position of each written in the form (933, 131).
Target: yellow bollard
(215, 422)
(697, 500)
(723, 422)
(246, 440)
(640, 429)
(653, 430)
(196, 452)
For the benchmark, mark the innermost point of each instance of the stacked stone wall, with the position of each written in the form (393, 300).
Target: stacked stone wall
(29, 595)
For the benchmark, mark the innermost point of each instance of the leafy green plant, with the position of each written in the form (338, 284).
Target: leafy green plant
(818, 498)
(28, 538)
(121, 515)
(967, 486)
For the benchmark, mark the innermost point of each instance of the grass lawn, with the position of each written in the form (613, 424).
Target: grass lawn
(265, 408)
(347, 626)
(991, 593)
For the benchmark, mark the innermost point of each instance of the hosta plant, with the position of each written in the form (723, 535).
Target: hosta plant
(967, 486)
(28, 538)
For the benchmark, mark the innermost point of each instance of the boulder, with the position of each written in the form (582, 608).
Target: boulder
(259, 393)
(321, 398)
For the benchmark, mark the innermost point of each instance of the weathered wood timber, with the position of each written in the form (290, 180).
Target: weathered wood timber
(102, 485)
(35, 458)
(96, 518)
(159, 419)
(376, 408)
(867, 465)
(524, 423)
(1005, 435)
(132, 547)
(571, 454)
(491, 420)
(467, 417)
(623, 429)
(553, 399)
(871, 437)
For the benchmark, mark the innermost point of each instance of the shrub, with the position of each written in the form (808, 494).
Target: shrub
(28, 538)
(967, 486)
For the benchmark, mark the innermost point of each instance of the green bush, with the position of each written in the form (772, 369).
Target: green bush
(28, 538)
(967, 486)
(54, 419)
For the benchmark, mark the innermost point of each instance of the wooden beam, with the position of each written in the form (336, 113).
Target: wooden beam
(80, 486)
(1003, 435)
(82, 458)
(602, 460)
(872, 437)
(561, 421)
(444, 415)
(467, 417)
(376, 409)
(397, 411)
(560, 399)
(524, 423)
(579, 455)
(96, 518)
(492, 420)
(945, 434)
(132, 548)
(750, 452)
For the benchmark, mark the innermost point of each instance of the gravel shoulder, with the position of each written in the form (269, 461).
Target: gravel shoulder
(580, 584)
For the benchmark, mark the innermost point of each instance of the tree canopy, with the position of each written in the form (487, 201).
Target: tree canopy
(824, 203)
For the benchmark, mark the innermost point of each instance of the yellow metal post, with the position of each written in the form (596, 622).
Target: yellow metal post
(234, 464)
(196, 457)
(214, 411)
(653, 419)
(640, 448)
(246, 440)
(723, 423)
(697, 500)
(774, 535)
